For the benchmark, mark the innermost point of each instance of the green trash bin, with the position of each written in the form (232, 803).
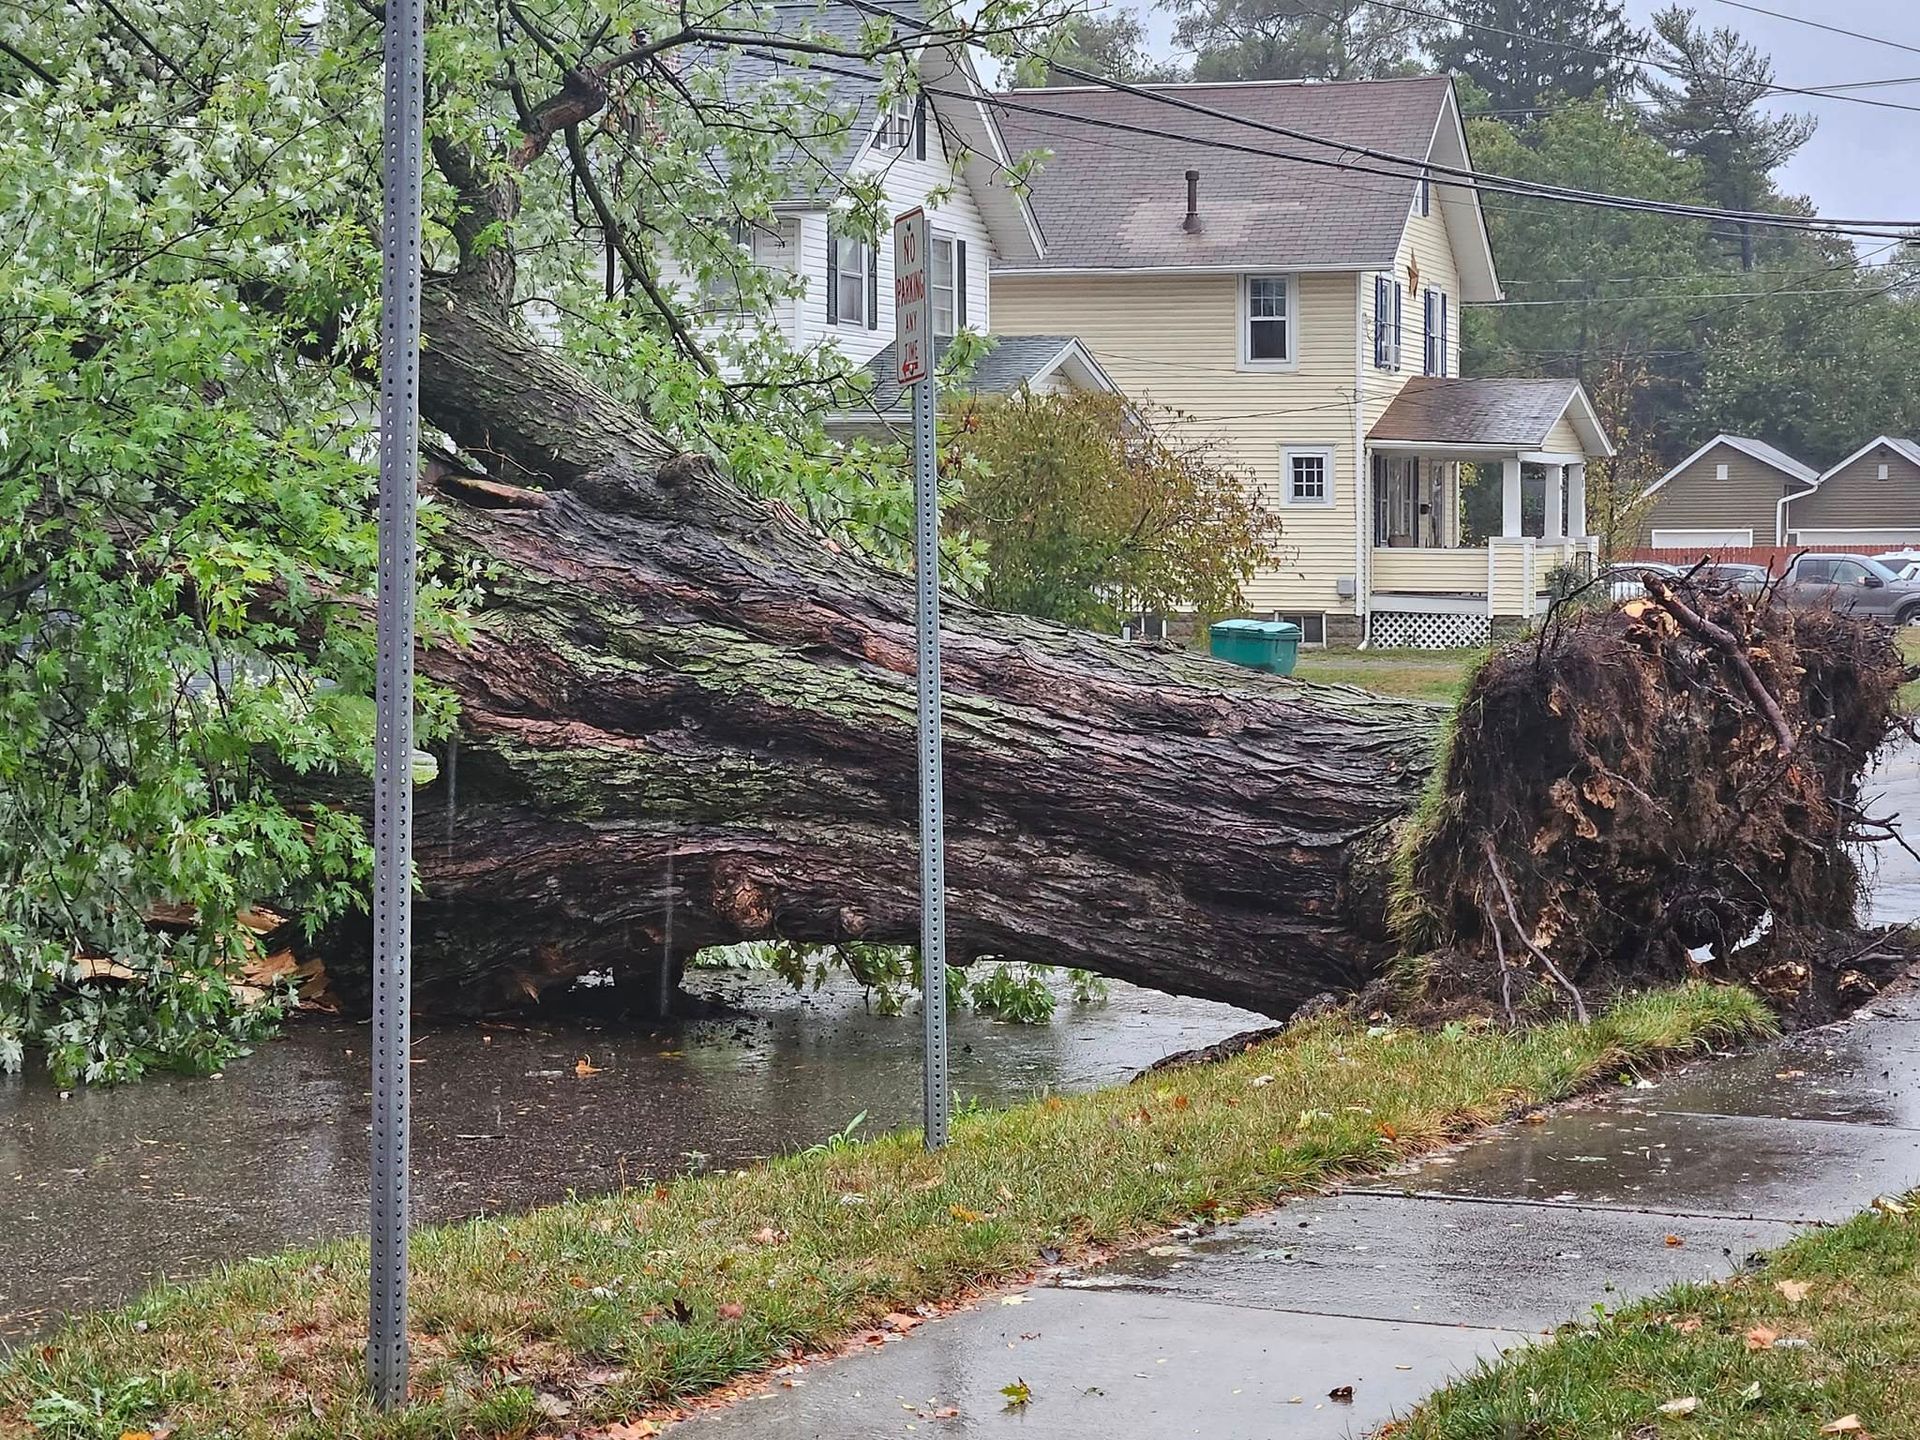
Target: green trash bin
(1270, 645)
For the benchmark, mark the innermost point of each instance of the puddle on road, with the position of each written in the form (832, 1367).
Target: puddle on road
(109, 1189)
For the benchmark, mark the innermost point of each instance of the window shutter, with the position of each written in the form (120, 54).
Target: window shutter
(1399, 294)
(920, 128)
(959, 284)
(1443, 333)
(873, 286)
(833, 279)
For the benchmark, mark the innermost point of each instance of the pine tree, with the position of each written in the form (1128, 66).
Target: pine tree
(1709, 112)
(1527, 55)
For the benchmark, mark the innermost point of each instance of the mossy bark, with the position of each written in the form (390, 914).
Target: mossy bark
(687, 720)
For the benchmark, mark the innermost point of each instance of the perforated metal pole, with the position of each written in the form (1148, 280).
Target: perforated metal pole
(933, 853)
(393, 693)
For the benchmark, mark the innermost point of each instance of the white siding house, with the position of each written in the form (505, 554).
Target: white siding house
(1307, 318)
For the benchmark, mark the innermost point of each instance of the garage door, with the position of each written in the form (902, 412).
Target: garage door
(1686, 539)
(1868, 540)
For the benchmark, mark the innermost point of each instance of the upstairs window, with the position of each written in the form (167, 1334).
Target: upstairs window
(1423, 197)
(1436, 332)
(949, 285)
(852, 285)
(1266, 337)
(896, 129)
(1388, 298)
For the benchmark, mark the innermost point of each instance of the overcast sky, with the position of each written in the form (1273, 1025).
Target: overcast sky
(1864, 160)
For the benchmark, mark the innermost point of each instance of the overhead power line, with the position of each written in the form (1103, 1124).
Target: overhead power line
(1410, 169)
(1818, 92)
(1822, 25)
(1416, 168)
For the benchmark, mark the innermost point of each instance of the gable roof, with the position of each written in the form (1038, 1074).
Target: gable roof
(1755, 449)
(1906, 449)
(1498, 414)
(1116, 202)
(852, 89)
(1014, 361)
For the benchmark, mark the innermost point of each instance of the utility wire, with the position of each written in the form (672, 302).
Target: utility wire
(1412, 171)
(1822, 25)
(1828, 92)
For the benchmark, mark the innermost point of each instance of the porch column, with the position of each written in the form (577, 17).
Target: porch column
(1556, 527)
(1577, 501)
(1510, 498)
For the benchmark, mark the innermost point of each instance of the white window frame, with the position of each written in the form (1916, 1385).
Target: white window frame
(1291, 361)
(870, 257)
(1322, 453)
(954, 283)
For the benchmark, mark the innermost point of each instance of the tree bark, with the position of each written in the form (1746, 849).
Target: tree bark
(688, 720)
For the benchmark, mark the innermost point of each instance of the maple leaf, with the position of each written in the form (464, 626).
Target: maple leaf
(1019, 1395)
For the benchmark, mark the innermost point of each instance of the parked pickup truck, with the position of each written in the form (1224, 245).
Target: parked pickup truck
(1858, 584)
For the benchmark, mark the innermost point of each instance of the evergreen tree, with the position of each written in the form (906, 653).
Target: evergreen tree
(1527, 55)
(1710, 112)
(1298, 39)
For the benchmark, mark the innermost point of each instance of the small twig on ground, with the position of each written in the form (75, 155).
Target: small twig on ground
(1520, 932)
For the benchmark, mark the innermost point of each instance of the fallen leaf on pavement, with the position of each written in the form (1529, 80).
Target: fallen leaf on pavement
(584, 1067)
(1761, 1338)
(1845, 1425)
(945, 1412)
(1794, 1290)
(625, 1430)
(1686, 1405)
(1013, 1299)
(1019, 1394)
(1674, 1242)
(899, 1320)
(1341, 1394)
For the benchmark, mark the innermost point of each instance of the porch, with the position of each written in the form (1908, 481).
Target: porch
(1478, 510)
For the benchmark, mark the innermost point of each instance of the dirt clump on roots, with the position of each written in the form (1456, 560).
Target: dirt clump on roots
(1664, 788)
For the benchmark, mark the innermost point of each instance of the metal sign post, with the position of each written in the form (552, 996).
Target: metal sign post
(913, 345)
(393, 693)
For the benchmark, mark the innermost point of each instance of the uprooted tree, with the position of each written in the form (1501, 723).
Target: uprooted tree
(670, 660)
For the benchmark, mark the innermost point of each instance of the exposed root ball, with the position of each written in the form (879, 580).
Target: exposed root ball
(1636, 783)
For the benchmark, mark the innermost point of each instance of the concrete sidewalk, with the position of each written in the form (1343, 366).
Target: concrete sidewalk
(1392, 1288)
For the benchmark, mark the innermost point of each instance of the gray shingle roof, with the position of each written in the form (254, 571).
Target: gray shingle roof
(1011, 363)
(1772, 455)
(1117, 200)
(1476, 412)
(854, 96)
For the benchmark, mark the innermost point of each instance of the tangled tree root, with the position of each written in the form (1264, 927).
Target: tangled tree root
(1634, 794)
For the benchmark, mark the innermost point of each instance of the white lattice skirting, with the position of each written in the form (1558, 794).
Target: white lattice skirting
(1427, 630)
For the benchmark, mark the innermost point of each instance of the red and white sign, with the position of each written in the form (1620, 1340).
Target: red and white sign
(912, 297)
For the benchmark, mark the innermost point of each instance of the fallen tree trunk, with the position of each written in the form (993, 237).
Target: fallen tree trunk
(686, 720)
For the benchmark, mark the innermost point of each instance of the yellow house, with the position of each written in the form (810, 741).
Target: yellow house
(1216, 255)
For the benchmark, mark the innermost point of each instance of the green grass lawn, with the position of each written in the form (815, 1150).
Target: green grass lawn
(1909, 636)
(1829, 1328)
(615, 1306)
(1415, 674)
